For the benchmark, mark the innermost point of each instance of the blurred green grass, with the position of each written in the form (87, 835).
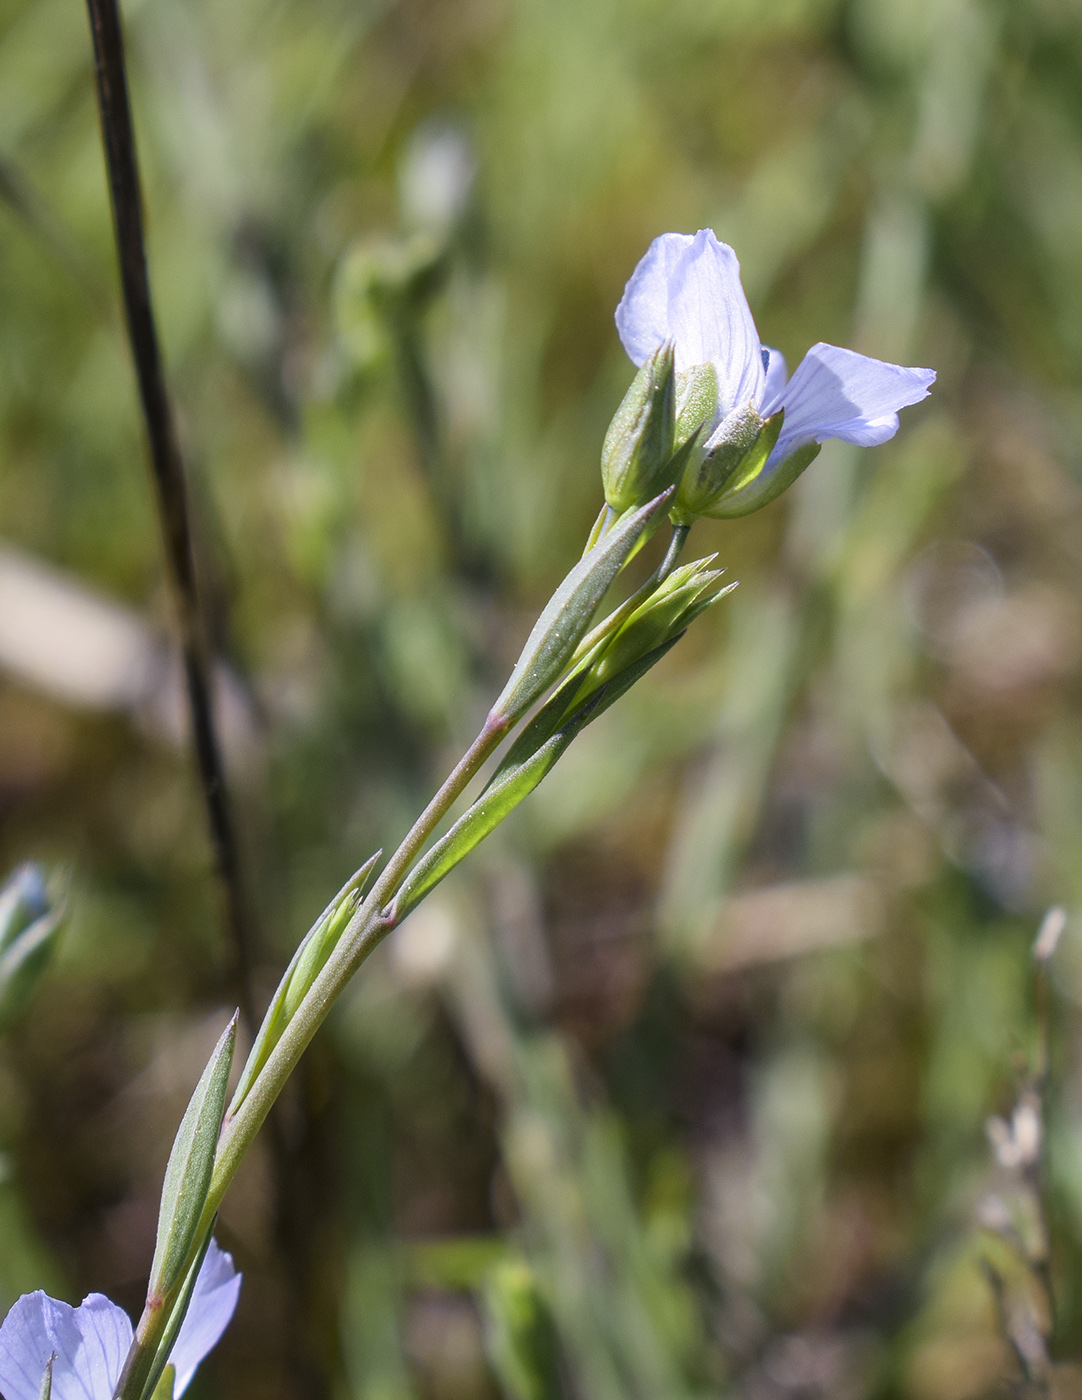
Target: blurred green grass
(679, 1088)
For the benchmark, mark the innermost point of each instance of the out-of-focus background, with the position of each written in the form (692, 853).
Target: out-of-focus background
(679, 1089)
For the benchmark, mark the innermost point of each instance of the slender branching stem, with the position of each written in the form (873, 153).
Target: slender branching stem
(371, 923)
(167, 465)
(374, 920)
(368, 927)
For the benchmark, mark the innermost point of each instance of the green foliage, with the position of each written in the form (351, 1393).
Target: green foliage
(188, 1172)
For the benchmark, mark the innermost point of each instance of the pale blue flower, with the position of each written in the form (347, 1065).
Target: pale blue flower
(687, 290)
(88, 1344)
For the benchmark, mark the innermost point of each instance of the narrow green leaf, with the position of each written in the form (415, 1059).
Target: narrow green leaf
(187, 1176)
(501, 797)
(605, 518)
(311, 954)
(516, 778)
(566, 618)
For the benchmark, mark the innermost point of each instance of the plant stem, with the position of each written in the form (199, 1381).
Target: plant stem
(168, 470)
(371, 923)
(368, 927)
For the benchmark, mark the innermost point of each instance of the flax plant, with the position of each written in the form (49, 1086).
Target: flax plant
(710, 426)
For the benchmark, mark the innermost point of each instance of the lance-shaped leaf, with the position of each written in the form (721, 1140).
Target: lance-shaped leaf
(191, 1162)
(638, 447)
(567, 615)
(526, 764)
(304, 967)
(656, 622)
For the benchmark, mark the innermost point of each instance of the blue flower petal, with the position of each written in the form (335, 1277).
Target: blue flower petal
(106, 1334)
(89, 1344)
(26, 1343)
(213, 1301)
(777, 376)
(688, 290)
(710, 321)
(642, 318)
(837, 393)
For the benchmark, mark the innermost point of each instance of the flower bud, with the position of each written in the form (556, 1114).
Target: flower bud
(636, 459)
(668, 611)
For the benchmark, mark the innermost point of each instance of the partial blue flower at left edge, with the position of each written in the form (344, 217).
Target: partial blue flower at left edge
(757, 428)
(87, 1345)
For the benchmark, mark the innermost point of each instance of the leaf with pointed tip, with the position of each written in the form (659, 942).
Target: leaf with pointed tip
(566, 618)
(501, 797)
(518, 775)
(311, 954)
(188, 1173)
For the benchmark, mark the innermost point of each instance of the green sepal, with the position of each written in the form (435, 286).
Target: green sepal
(566, 618)
(45, 1393)
(304, 967)
(188, 1173)
(754, 460)
(760, 490)
(529, 760)
(696, 401)
(707, 475)
(637, 455)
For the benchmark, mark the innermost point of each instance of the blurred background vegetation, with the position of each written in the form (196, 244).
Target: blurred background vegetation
(680, 1087)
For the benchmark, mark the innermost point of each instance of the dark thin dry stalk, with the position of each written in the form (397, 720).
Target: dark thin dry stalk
(168, 471)
(173, 510)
